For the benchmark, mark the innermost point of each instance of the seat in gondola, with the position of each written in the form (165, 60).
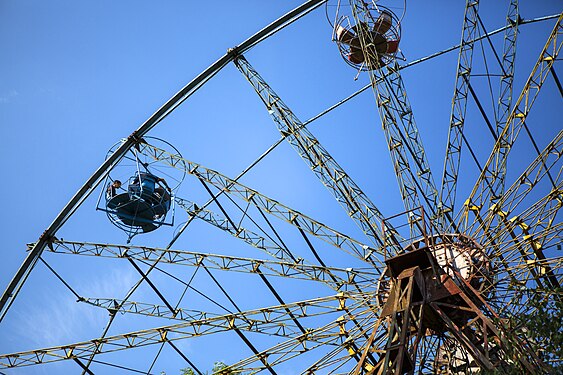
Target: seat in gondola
(380, 41)
(133, 212)
(143, 206)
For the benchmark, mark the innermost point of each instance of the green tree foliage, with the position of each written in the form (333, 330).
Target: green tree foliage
(543, 324)
(540, 326)
(218, 367)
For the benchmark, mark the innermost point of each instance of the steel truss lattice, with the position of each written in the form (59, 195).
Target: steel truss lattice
(445, 284)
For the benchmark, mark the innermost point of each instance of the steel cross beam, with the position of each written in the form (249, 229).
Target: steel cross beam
(288, 325)
(528, 242)
(398, 124)
(507, 78)
(337, 278)
(491, 228)
(335, 359)
(549, 158)
(542, 266)
(272, 207)
(459, 106)
(358, 206)
(534, 241)
(524, 242)
(367, 279)
(541, 214)
(332, 333)
(237, 231)
(344, 353)
(265, 320)
(23, 272)
(280, 319)
(488, 183)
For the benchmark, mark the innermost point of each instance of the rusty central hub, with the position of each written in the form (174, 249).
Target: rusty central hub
(436, 286)
(455, 255)
(440, 265)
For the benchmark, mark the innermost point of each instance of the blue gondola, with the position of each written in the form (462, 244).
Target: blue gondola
(141, 207)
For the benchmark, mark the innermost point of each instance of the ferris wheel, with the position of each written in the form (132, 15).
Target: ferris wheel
(460, 275)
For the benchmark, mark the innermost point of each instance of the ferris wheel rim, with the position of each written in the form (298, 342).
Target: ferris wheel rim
(452, 235)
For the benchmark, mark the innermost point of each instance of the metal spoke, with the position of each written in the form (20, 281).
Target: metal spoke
(415, 180)
(358, 206)
(273, 207)
(488, 184)
(264, 320)
(459, 106)
(336, 278)
(438, 288)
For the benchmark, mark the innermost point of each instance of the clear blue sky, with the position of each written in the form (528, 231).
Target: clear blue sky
(75, 77)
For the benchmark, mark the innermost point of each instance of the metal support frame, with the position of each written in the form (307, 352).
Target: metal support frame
(459, 106)
(23, 272)
(425, 299)
(356, 203)
(331, 333)
(274, 208)
(415, 179)
(493, 227)
(488, 184)
(549, 159)
(271, 320)
(507, 78)
(248, 236)
(339, 279)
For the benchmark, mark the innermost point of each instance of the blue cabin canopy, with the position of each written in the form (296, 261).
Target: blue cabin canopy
(135, 196)
(139, 207)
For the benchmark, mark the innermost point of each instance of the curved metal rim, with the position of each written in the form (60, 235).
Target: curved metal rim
(174, 150)
(33, 256)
